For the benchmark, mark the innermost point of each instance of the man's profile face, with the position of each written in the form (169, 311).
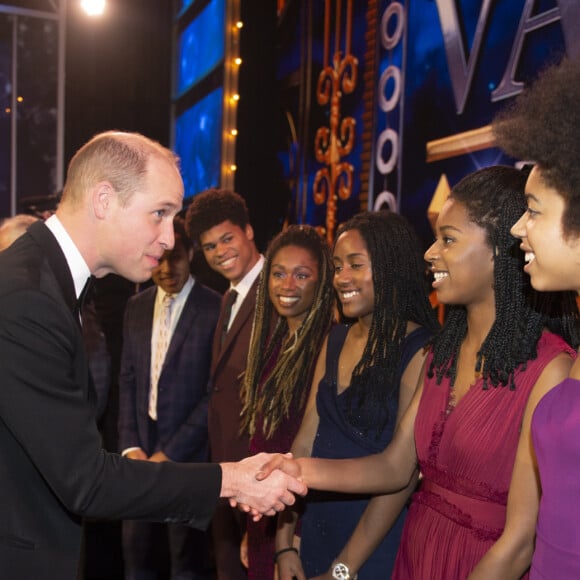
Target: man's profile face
(173, 270)
(138, 233)
(230, 250)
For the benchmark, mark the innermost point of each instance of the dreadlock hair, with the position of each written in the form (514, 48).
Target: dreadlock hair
(213, 207)
(494, 199)
(542, 125)
(273, 394)
(400, 289)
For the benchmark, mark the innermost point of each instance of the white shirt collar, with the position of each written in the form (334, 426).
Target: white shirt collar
(244, 285)
(181, 295)
(76, 263)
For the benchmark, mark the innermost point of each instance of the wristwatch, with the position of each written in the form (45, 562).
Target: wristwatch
(340, 571)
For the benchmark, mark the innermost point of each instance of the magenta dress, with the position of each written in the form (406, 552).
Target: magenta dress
(556, 437)
(466, 455)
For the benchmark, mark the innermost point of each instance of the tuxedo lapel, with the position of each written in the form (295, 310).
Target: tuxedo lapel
(57, 261)
(144, 325)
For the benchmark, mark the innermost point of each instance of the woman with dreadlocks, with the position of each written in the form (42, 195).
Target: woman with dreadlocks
(295, 297)
(365, 377)
(486, 371)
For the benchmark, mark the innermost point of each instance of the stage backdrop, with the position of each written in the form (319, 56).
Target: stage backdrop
(382, 102)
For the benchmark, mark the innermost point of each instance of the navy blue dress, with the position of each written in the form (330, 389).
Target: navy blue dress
(330, 518)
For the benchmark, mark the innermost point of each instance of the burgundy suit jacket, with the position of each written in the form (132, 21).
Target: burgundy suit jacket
(228, 365)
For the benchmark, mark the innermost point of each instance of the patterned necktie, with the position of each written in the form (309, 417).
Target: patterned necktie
(231, 297)
(162, 344)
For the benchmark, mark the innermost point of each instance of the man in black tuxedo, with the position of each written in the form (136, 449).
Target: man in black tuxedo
(163, 401)
(116, 215)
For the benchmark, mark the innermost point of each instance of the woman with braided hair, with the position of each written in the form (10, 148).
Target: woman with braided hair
(296, 299)
(365, 377)
(485, 373)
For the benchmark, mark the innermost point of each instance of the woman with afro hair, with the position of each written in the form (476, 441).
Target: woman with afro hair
(543, 126)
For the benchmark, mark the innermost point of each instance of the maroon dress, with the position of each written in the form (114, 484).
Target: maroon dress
(261, 535)
(466, 455)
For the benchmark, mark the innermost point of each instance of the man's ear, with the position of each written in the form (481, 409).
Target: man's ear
(102, 198)
(249, 230)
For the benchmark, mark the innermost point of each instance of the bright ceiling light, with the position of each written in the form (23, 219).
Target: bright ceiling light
(93, 7)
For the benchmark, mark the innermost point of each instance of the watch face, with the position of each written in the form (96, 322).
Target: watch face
(341, 572)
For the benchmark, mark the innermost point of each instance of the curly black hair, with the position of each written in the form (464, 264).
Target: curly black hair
(274, 393)
(494, 199)
(401, 296)
(543, 125)
(213, 207)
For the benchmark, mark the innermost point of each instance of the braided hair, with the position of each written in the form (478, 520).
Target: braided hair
(275, 393)
(400, 290)
(494, 199)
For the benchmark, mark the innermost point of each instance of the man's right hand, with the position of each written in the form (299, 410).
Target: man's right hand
(266, 495)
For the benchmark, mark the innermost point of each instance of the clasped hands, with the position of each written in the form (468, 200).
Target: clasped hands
(263, 484)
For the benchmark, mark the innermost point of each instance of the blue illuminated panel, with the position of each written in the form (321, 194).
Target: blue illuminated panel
(201, 45)
(185, 4)
(198, 143)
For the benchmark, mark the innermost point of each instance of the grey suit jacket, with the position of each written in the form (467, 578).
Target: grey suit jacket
(53, 470)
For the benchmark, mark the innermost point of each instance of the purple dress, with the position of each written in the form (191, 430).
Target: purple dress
(556, 437)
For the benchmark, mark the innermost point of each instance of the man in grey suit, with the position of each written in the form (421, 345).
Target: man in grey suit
(163, 412)
(116, 215)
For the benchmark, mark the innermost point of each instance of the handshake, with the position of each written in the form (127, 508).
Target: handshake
(263, 484)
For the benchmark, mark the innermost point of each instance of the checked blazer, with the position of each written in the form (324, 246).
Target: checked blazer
(182, 389)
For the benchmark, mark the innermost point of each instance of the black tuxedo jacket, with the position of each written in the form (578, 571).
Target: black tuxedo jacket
(53, 471)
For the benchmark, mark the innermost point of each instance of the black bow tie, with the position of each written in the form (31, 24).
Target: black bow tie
(84, 295)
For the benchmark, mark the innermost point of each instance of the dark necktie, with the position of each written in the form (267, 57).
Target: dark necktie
(231, 296)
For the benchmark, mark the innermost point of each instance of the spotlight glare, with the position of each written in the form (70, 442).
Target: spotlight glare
(93, 7)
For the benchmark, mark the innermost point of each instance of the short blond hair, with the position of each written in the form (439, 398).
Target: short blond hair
(114, 156)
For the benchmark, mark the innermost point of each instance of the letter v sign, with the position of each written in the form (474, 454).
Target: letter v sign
(460, 67)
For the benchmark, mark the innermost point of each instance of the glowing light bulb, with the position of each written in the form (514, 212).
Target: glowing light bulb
(93, 7)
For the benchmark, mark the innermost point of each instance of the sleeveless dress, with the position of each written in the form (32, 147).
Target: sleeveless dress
(556, 437)
(329, 518)
(466, 455)
(262, 534)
